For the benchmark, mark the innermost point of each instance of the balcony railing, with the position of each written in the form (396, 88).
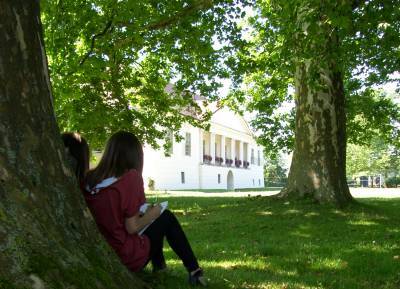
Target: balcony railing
(219, 161)
(207, 159)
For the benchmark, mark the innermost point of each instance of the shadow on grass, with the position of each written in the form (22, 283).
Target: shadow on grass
(261, 242)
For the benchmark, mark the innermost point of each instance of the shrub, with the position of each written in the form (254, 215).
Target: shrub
(151, 184)
(392, 182)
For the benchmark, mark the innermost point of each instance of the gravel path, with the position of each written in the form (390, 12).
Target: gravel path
(356, 192)
(375, 193)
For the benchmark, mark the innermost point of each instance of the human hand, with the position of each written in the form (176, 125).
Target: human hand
(154, 211)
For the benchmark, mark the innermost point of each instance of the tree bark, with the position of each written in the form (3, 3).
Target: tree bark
(318, 168)
(47, 237)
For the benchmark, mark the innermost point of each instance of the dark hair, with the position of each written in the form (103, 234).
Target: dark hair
(79, 151)
(123, 152)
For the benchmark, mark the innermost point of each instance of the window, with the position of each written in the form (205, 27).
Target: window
(182, 177)
(188, 147)
(219, 178)
(252, 157)
(259, 182)
(258, 158)
(253, 182)
(169, 141)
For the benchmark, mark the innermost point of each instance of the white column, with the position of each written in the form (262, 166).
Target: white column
(223, 148)
(246, 152)
(233, 148)
(201, 137)
(212, 147)
(200, 169)
(241, 151)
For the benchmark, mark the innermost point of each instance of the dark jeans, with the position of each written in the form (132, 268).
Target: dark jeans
(167, 225)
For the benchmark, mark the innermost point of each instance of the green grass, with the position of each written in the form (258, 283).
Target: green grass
(259, 242)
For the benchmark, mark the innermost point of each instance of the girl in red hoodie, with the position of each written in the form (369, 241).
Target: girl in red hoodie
(114, 194)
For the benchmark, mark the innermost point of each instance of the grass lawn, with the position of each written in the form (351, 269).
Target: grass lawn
(259, 242)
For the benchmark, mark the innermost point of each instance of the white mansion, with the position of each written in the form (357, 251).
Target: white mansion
(226, 157)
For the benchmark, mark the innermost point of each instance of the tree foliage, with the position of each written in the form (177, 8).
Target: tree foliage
(369, 38)
(374, 158)
(111, 61)
(275, 172)
(373, 113)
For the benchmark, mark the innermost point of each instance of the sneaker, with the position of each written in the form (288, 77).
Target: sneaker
(197, 279)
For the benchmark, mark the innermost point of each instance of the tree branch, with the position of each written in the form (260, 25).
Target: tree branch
(357, 3)
(169, 21)
(187, 11)
(162, 24)
(106, 28)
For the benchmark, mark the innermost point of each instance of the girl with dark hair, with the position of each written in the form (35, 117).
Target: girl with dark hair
(114, 194)
(78, 152)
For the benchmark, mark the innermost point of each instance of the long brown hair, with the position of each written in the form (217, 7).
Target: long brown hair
(78, 149)
(123, 152)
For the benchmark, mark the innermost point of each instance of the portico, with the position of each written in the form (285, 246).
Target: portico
(222, 150)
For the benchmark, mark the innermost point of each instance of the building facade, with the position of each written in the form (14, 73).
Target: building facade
(225, 157)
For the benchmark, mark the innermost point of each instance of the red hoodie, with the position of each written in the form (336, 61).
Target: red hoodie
(110, 206)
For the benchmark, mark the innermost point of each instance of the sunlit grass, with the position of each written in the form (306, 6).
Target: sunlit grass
(259, 242)
(362, 223)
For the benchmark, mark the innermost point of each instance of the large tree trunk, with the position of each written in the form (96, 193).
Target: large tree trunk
(47, 240)
(318, 168)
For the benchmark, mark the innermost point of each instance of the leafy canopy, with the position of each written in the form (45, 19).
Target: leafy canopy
(112, 60)
(368, 55)
(375, 158)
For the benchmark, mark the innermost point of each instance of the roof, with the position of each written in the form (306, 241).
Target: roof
(225, 117)
(220, 115)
